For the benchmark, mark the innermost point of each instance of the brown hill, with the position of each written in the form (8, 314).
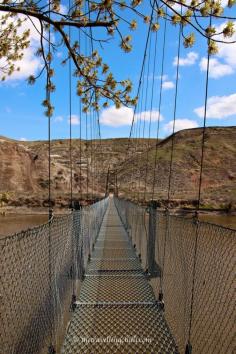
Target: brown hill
(218, 177)
(24, 169)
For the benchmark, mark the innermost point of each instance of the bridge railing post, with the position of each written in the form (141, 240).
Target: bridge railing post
(152, 208)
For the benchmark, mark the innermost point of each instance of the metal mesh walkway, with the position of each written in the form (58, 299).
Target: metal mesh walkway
(116, 311)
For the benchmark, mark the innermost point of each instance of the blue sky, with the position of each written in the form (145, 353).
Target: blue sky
(21, 113)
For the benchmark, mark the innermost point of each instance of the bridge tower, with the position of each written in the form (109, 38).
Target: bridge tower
(111, 182)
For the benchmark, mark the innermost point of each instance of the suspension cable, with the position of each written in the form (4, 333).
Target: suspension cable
(141, 74)
(141, 84)
(159, 106)
(139, 132)
(174, 119)
(171, 164)
(73, 266)
(94, 153)
(137, 146)
(80, 136)
(70, 119)
(143, 107)
(51, 349)
(189, 346)
(99, 150)
(203, 134)
(150, 116)
(86, 122)
(145, 104)
(90, 118)
(144, 95)
(48, 98)
(91, 154)
(87, 158)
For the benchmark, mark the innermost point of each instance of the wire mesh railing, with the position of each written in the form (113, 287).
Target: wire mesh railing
(135, 221)
(201, 277)
(40, 270)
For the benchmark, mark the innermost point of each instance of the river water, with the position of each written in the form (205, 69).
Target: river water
(223, 220)
(13, 223)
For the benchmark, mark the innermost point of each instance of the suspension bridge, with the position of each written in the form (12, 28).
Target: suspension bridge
(115, 277)
(118, 277)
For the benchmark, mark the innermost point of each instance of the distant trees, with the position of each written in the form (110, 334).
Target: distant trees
(4, 199)
(53, 21)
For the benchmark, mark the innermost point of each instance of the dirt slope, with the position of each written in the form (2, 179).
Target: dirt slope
(219, 169)
(24, 169)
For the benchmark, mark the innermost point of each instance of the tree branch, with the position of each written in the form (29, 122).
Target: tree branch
(41, 17)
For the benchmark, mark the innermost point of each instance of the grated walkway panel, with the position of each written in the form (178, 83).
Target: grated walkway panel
(116, 311)
(113, 330)
(113, 253)
(113, 244)
(104, 265)
(108, 289)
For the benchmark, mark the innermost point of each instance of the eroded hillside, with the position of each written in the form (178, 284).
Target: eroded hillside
(218, 177)
(24, 169)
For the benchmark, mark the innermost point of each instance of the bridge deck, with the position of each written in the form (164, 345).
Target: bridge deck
(116, 311)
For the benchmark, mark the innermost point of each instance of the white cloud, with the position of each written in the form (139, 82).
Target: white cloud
(180, 124)
(150, 77)
(164, 77)
(190, 59)
(224, 3)
(167, 85)
(30, 64)
(177, 7)
(63, 9)
(117, 117)
(227, 51)
(146, 116)
(58, 119)
(33, 25)
(224, 62)
(23, 139)
(219, 107)
(124, 116)
(74, 119)
(216, 69)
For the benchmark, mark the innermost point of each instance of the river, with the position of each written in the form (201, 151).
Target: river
(13, 223)
(223, 220)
